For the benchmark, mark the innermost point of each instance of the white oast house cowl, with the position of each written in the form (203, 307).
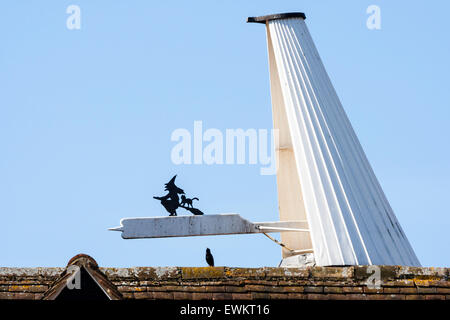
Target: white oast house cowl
(324, 176)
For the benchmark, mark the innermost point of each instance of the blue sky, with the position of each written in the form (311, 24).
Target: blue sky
(86, 117)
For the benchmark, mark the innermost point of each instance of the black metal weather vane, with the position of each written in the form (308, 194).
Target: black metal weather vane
(171, 201)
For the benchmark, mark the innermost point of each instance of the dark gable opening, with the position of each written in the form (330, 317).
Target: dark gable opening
(89, 290)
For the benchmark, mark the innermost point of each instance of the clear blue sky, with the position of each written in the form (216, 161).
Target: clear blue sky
(86, 117)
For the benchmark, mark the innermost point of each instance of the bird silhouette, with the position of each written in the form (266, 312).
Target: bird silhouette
(209, 258)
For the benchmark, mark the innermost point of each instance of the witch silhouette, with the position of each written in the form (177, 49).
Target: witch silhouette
(171, 201)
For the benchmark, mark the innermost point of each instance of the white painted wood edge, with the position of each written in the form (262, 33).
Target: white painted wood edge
(206, 225)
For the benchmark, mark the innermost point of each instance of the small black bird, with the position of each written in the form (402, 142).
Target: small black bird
(209, 258)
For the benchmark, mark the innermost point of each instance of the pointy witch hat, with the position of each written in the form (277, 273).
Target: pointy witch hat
(170, 186)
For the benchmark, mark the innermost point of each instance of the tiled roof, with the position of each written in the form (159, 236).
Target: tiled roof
(232, 283)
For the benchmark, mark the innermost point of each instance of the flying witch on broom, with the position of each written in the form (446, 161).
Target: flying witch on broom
(171, 201)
